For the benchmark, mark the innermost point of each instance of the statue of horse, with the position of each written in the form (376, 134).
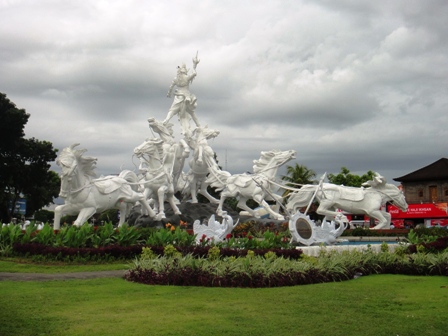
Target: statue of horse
(157, 167)
(86, 195)
(200, 163)
(366, 201)
(257, 186)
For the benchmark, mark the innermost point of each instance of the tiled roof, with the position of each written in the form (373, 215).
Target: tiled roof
(435, 171)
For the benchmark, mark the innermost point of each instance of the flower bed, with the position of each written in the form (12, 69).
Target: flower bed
(271, 271)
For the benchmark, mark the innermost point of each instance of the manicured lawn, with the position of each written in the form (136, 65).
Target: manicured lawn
(372, 305)
(22, 265)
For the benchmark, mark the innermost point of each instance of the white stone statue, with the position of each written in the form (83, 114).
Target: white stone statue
(366, 201)
(258, 186)
(157, 166)
(202, 160)
(214, 230)
(185, 102)
(181, 149)
(86, 195)
(306, 232)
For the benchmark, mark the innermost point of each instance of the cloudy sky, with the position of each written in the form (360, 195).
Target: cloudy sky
(360, 84)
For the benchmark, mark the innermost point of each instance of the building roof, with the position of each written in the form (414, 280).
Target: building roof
(435, 171)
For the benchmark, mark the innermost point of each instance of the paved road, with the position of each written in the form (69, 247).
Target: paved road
(60, 276)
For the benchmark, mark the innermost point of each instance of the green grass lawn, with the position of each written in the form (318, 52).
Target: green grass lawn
(23, 265)
(372, 305)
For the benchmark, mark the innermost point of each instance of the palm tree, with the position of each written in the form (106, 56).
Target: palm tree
(298, 174)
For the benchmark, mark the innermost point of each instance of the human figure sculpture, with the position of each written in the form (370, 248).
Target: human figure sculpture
(181, 149)
(185, 102)
(201, 162)
(158, 174)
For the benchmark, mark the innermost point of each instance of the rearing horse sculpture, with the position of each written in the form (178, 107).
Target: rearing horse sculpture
(86, 195)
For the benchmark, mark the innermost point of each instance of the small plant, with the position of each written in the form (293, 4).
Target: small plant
(45, 236)
(270, 255)
(170, 251)
(214, 253)
(147, 253)
(415, 238)
(250, 254)
(6, 250)
(127, 236)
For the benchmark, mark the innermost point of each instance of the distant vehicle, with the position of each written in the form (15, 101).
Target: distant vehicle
(356, 223)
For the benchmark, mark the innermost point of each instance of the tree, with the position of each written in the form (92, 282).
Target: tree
(350, 180)
(298, 174)
(24, 164)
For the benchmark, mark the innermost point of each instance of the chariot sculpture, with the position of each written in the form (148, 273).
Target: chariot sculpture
(161, 175)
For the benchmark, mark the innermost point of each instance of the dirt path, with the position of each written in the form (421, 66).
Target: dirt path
(60, 276)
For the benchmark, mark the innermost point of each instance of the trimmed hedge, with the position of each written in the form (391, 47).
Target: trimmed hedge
(129, 252)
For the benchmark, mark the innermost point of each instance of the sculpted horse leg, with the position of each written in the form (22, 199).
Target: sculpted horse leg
(58, 211)
(84, 216)
(222, 199)
(203, 191)
(242, 205)
(326, 208)
(259, 198)
(161, 197)
(382, 217)
(193, 190)
(61, 210)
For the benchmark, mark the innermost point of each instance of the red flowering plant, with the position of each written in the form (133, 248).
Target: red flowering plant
(204, 241)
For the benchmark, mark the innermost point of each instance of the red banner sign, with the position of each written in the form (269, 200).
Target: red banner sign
(425, 210)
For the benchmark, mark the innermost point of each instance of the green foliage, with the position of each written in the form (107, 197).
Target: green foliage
(73, 236)
(170, 251)
(109, 216)
(384, 247)
(45, 236)
(10, 234)
(350, 180)
(171, 235)
(127, 236)
(147, 253)
(104, 235)
(214, 253)
(298, 174)
(44, 216)
(25, 164)
(418, 238)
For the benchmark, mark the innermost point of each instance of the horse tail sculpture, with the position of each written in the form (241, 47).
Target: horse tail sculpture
(131, 178)
(217, 178)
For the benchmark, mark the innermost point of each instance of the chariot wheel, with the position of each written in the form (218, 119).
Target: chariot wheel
(302, 229)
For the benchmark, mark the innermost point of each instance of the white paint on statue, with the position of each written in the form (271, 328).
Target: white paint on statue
(213, 231)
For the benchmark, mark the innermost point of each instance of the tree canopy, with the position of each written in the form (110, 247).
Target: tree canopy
(348, 179)
(297, 175)
(24, 164)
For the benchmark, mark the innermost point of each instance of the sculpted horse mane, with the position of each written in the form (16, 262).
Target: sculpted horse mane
(86, 164)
